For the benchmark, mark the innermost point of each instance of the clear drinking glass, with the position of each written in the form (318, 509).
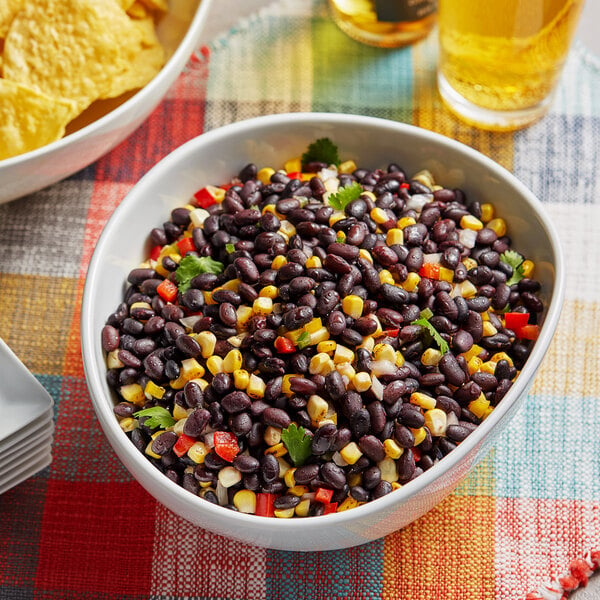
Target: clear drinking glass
(500, 62)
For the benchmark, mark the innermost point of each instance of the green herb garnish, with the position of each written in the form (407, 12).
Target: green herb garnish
(345, 195)
(303, 340)
(515, 260)
(423, 321)
(158, 417)
(230, 248)
(322, 150)
(191, 265)
(298, 444)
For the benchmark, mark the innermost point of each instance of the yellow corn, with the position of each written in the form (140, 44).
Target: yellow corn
(313, 262)
(411, 282)
(502, 356)
(352, 305)
(278, 262)
(479, 406)
(487, 212)
(207, 341)
(361, 381)
(232, 285)
(154, 391)
(527, 267)
(342, 354)
(133, 392)
(245, 501)
(284, 513)
(379, 215)
(425, 177)
(197, 452)
(471, 222)
(327, 346)
(244, 314)
(363, 253)
(347, 504)
(113, 361)
(256, 386)
(317, 408)
(346, 370)
(127, 424)
(489, 329)
(404, 222)
(489, 366)
(264, 175)
(394, 236)
(469, 263)
(191, 369)
(474, 364)
(384, 352)
(277, 450)
(293, 165)
(241, 379)
(420, 434)
(400, 360)
(396, 486)
(262, 306)
(498, 225)
(179, 412)
(232, 361)
(303, 508)
(269, 291)
(354, 479)
(475, 350)
(386, 277)
(348, 167)
(392, 449)
(317, 363)
(467, 289)
(208, 299)
(431, 357)
(351, 453)
(338, 215)
(149, 450)
(214, 364)
(446, 274)
(285, 384)
(435, 421)
(423, 400)
(318, 336)
(297, 490)
(288, 479)
(315, 325)
(272, 436)
(286, 228)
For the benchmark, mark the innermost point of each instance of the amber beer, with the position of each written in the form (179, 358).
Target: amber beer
(500, 60)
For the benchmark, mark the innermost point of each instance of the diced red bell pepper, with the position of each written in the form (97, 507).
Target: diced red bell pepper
(204, 198)
(186, 245)
(404, 185)
(167, 290)
(295, 175)
(323, 495)
(155, 252)
(529, 332)
(330, 508)
(264, 505)
(284, 345)
(430, 270)
(515, 320)
(391, 332)
(416, 453)
(183, 444)
(226, 445)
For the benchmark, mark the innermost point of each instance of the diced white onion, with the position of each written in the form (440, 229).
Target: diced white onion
(435, 257)
(189, 322)
(377, 387)
(418, 201)
(383, 367)
(467, 237)
(198, 216)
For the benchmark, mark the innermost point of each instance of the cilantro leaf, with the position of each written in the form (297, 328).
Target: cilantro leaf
(191, 265)
(515, 260)
(158, 417)
(298, 444)
(438, 339)
(322, 150)
(303, 340)
(345, 195)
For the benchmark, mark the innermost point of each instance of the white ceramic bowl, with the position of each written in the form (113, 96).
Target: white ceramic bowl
(215, 157)
(106, 124)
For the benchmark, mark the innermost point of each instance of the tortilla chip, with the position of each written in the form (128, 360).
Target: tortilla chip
(8, 10)
(71, 49)
(28, 119)
(160, 5)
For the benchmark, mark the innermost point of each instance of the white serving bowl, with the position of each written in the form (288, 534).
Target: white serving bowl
(107, 123)
(214, 158)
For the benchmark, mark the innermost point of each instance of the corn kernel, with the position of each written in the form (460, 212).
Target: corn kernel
(297, 490)
(348, 167)
(233, 285)
(435, 421)
(425, 177)
(179, 425)
(400, 360)
(467, 289)
(479, 406)
(487, 212)
(411, 282)
(387, 466)
(179, 412)
(207, 341)
(502, 356)
(361, 381)
(338, 215)
(392, 449)
(262, 306)
(396, 486)
(386, 277)
(293, 165)
(285, 384)
(423, 400)
(351, 452)
(314, 325)
(394, 236)
(379, 215)
(245, 501)
(368, 343)
(191, 369)
(229, 476)
(256, 386)
(284, 513)
(264, 175)
(431, 357)
(475, 350)
(342, 354)
(269, 291)
(489, 329)
(214, 364)
(149, 452)
(419, 434)
(317, 363)
(445, 274)
(404, 222)
(232, 361)
(326, 346)
(474, 364)
(278, 262)
(127, 424)
(154, 391)
(347, 504)
(272, 435)
(277, 450)
(469, 263)
(288, 479)
(135, 305)
(346, 370)
(489, 366)
(353, 305)
(365, 254)
(471, 222)
(498, 225)
(384, 352)
(133, 392)
(303, 508)
(286, 228)
(313, 262)
(197, 452)
(241, 379)
(317, 408)
(527, 267)
(113, 361)
(284, 466)
(320, 335)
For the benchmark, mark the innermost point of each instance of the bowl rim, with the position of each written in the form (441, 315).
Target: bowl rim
(90, 338)
(181, 54)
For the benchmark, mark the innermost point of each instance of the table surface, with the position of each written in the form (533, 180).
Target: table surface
(518, 520)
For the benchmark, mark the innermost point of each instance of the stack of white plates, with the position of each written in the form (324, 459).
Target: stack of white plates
(26, 422)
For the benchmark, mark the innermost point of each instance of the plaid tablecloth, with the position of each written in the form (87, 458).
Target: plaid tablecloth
(83, 528)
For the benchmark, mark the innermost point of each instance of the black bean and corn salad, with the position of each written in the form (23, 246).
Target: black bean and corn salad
(304, 340)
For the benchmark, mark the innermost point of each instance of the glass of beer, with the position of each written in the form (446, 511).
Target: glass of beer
(500, 61)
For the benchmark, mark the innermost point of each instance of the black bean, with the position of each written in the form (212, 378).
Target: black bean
(276, 417)
(286, 501)
(372, 447)
(188, 346)
(459, 432)
(336, 322)
(449, 366)
(194, 397)
(411, 416)
(306, 473)
(371, 477)
(246, 270)
(236, 401)
(333, 475)
(360, 422)
(323, 439)
(196, 422)
(269, 468)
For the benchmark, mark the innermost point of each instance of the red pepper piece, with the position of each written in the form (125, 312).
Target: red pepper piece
(528, 332)
(186, 245)
(284, 346)
(155, 252)
(430, 270)
(323, 495)
(204, 198)
(226, 445)
(167, 290)
(183, 444)
(264, 504)
(391, 332)
(515, 320)
(404, 185)
(295, 175)
(330, 508)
